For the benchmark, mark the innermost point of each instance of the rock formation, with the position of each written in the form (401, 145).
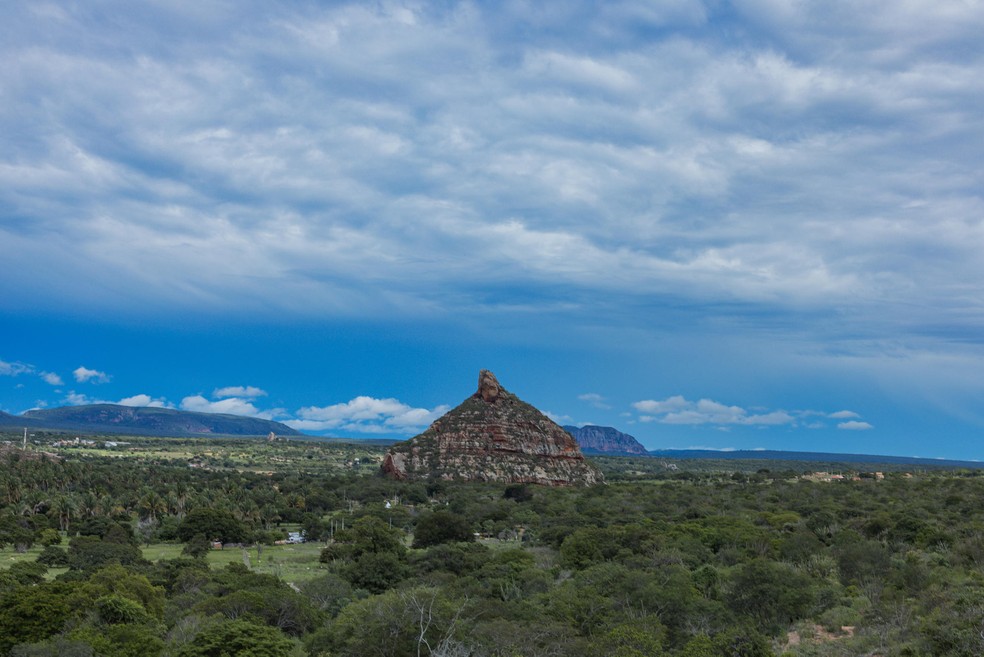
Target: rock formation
(492, 436)
(606, 440)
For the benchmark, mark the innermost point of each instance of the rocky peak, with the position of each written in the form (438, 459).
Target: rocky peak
(492, 436)
(488, 387)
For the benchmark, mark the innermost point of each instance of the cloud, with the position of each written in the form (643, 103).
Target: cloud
(404, 137)
(678, 410)
(854, 425)
(51, 378)
(365, 414)
(17, 368)
(85, 375)
(594, 399)
(669, 405)
(249, 392)
(558, 417)
(77, 399)
(14, 369)
(143, 400)
(230, 406)
(844, 415)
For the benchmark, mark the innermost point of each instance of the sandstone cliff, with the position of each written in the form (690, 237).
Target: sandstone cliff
(606, 440)
(493, 436)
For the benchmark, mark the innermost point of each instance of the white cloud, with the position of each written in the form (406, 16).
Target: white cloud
(365, 414)
(85, 375)
(143, 400)
(558, 418)
(844, 415)
(77, 399)
(14, 369)
(854, 425)
(51, 378)
(594, 399)
(250, 392)
(678, 410)
(230, 406)
(669, 405)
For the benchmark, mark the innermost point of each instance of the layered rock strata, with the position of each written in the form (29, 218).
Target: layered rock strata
(605, 440)
(493, 436)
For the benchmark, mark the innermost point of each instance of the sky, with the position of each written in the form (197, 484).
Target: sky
(752, 225)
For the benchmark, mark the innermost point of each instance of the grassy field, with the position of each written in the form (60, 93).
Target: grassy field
(294, 564)
(243, 454)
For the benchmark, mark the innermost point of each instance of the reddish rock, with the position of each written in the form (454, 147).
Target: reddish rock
(493, 436)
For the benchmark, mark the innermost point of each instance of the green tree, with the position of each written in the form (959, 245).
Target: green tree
(215, 524)
(368, 535)
(29, 614)
(441, 527)
(49, 537)
(90, 553)
(238, 638)
(198, 546)
(770, 593)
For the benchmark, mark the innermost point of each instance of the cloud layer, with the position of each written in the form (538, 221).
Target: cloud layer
(342, 157)
(681, 411)
(361, 415)
(366, 415)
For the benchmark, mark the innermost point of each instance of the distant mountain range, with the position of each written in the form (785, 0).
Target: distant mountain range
(813, 457)
(114, 419)
(608, 441)
(605, 440)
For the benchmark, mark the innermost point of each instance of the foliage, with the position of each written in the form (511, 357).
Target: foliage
(689, 563)
(237, 638)
(214, 524)
(441, 527)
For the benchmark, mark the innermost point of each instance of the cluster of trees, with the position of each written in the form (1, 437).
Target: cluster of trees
(691, 565)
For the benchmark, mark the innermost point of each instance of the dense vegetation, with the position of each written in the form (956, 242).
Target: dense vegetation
(696, 561)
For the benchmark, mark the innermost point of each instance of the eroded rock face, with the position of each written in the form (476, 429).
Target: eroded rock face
(493, 436)
(605, 440)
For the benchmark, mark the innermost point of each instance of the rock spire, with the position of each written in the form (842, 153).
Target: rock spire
(492, 436)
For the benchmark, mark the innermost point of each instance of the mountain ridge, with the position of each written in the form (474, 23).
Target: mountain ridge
(595, 439)
(146, 421)
(819, 457)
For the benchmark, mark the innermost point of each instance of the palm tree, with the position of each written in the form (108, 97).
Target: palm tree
(67, 508)
(150, 504)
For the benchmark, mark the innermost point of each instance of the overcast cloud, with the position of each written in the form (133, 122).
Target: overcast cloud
(355, 158)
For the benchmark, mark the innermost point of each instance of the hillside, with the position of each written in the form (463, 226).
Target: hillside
(111, 418)
(492, 436)
(605, 440)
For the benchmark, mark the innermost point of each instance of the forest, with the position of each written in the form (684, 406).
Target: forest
(176, 547)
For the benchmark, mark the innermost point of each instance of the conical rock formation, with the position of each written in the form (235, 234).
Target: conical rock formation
(493, 436)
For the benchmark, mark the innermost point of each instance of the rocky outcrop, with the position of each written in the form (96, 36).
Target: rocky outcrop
(606, 440)
(493, 436)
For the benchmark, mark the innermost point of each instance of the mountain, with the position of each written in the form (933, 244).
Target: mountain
(492, 436)
(111, 418)
(812, 457)
(605, 440)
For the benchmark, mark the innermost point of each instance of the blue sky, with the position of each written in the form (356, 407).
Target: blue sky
(756, 225)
